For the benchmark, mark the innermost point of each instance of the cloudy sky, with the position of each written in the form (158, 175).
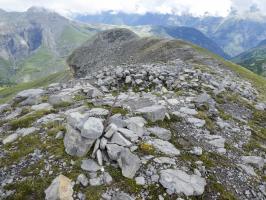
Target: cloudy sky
(195, 7)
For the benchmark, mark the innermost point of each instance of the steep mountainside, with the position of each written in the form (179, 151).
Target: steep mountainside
(33, 44)
(254, 59)
(234, 34)
(145, 118)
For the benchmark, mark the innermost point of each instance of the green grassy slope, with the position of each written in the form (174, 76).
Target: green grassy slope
(254, 60)
(8, 92)
(4, 71)
(258, 82)
(40, 64)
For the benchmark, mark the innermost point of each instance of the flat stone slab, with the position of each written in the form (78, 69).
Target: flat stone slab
(153, 113)
(164, 147)
(179, 182)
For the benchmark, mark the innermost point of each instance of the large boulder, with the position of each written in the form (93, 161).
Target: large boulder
(60, 189)
(92, 128)
(179, 182)
(29, 97)
(129, 163)
(75, 144)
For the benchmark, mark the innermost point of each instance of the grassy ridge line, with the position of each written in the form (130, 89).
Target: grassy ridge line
(9, 92)
(257, 81)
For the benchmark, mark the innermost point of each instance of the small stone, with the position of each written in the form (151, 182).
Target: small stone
(196, 151)
(83, 180)
(140, 180)
(160, 132)
(153, 113)
(99, 157)
(110, 130)
(11, 138)
(120, 140)
(90, 165)
(164, 147)
(59, 135)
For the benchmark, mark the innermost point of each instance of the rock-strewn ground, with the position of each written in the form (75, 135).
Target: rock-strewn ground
(143, 131)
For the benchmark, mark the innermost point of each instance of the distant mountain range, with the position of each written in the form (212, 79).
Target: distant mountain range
(254, 59)
(234, 33)
(35, 43)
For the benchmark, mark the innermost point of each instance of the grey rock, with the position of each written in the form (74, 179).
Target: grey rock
(153, 113)
(90, 165)
(136, 124)
(11, 138)
(4, 107)
(76, 119)
(188, 111)
(165, 160)
(259, 106)
(59, 135)
(140, 180)
(160, 132)
(122, 196)
(196, 122)
(128, 80)
(103, 143)
(110, 130)
(164, 147)
(42, 106)
(99, 157)
(26, 131)
(179, 182)
(97, 112)
(63, 97)
(83, 180)
(196, 151)
(75, 144)
(248, 169)
(129, 163)
(128, 134)
(254, 160)
(113, 151)
(120, 140)
(92, 128)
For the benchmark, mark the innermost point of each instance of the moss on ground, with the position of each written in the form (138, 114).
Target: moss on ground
(146, 149)
(27, 120)
(125, 184)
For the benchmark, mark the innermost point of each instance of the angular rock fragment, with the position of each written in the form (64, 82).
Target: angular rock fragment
(92, 128)
(160, 132)
(153, 113)
(129, 163)
(164, 146)
(75, 144)
(90, 165)
(60, 189)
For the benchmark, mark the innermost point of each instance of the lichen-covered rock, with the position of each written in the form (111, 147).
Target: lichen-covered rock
(60, 189)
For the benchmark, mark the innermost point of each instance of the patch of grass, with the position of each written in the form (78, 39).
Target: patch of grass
(79, 97)
(117, 110)
(33, 170)
(125, 184)
(210, 125)
(224, 193)
(62, 105)
(23, 147)
(27, 120)
(32, 188)
(224, 115)
(146, 149)
(9, 92)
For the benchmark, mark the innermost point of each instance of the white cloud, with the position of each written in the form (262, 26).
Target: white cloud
(196, 7)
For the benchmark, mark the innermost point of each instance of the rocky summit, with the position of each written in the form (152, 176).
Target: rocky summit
(144, 118)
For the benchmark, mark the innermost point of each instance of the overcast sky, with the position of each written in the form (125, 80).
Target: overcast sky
(195, 7)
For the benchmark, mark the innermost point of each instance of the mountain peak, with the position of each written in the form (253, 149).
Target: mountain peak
(37, 9)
